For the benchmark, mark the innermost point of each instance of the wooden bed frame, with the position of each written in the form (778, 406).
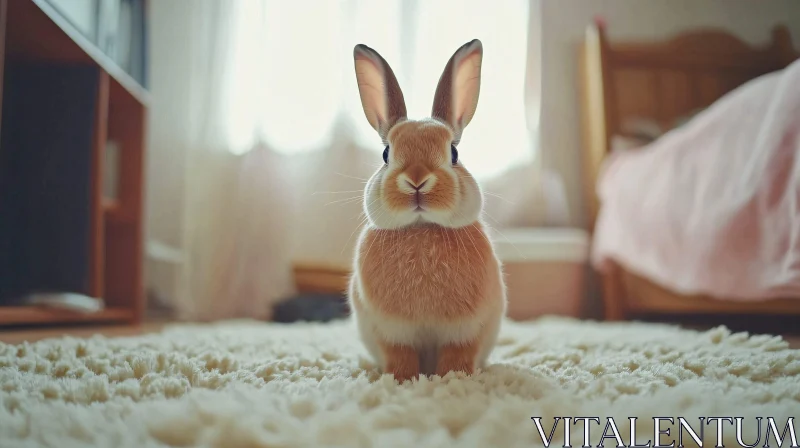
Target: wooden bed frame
(664, 81)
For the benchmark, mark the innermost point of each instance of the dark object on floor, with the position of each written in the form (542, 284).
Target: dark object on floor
(311, 308)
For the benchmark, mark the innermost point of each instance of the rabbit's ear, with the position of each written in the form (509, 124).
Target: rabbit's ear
(381, 96)
(456, 95)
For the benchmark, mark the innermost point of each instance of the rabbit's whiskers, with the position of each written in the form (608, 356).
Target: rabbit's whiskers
(499, 197)
(336, 192)
(352, 177)
(497, 229)
(363, 219)
(346, 200)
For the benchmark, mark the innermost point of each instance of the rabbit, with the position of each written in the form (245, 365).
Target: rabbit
(426, 291)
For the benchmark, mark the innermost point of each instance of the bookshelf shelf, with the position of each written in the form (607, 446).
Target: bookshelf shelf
(63, 101)
(27, 315)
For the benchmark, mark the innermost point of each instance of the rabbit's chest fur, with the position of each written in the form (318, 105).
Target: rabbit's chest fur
(427, 273)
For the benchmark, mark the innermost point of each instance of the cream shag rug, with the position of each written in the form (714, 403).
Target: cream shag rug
(248, 384)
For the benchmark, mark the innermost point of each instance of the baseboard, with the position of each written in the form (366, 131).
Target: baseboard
(321, 278)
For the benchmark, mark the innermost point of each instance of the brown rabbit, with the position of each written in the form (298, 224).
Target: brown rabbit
(427, 290)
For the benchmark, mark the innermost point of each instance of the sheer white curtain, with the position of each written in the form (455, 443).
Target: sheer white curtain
(292, 71)
(255, 104)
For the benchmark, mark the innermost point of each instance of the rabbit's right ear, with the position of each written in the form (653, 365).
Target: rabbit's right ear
(380, 92)
(456, 97)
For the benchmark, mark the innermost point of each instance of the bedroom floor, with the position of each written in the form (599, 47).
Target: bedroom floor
(245, 384)
(18, 336)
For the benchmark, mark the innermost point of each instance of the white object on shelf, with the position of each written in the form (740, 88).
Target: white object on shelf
(159, 251)
(67, 301)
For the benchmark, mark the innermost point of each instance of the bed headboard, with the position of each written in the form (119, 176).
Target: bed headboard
(661, 81)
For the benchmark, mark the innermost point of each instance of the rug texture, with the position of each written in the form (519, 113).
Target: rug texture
(248, 384)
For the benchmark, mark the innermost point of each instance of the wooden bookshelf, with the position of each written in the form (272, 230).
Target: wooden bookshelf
(80, 99)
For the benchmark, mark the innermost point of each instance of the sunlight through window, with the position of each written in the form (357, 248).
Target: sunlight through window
(291, 74)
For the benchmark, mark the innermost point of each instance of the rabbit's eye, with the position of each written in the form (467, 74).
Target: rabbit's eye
(386, 155)
(454, 154)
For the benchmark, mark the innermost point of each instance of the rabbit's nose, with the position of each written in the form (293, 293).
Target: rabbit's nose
(417, 187)
(416, 180)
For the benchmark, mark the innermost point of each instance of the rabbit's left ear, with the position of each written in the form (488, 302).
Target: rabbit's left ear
(380, 92)
(457, 94)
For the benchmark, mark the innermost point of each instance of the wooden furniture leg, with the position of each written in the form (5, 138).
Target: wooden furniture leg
(613, 294)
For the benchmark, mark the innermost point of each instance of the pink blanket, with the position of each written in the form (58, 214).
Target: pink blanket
(713, 207)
